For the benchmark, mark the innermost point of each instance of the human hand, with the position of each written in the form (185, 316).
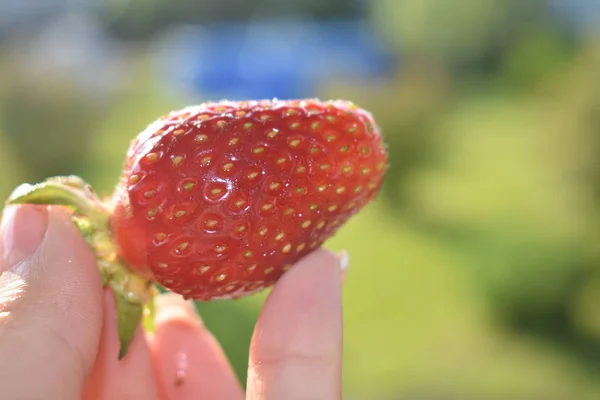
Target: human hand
(58, 336)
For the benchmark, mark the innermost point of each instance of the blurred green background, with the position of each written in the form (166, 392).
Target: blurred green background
(476, 273)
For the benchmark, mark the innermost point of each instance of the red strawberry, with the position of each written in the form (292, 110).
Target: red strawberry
(218, 200)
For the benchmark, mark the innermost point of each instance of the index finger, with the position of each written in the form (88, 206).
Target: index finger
(296, 349)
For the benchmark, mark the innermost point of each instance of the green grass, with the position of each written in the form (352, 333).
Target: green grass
(414, 320)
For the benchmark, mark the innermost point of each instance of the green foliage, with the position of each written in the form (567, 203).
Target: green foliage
(460, 34)
(51, 112)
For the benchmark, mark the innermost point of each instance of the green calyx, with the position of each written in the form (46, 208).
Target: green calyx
(133, 294)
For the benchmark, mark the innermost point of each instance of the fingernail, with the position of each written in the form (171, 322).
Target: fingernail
(169, 306)
(344, 259)
(23, 228)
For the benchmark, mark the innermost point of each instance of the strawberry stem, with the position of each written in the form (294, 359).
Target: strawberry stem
(131, 292)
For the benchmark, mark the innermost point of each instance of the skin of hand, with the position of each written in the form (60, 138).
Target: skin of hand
(58, 337)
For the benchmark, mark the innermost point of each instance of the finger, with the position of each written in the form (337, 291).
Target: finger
(296, 349)
(130, 378)
(190, 363)
(50, 305)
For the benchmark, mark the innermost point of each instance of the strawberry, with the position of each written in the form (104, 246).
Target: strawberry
(218, 200)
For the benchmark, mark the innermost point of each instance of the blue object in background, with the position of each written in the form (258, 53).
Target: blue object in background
(273, 58)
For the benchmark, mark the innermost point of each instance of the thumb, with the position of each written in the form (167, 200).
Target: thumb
(50, 305)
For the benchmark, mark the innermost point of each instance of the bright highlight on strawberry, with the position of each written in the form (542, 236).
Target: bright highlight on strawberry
(218, 200)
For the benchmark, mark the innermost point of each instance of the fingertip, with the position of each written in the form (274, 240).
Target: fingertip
(298, 337)
(321, 267)
(60, 272)
(173, 307)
